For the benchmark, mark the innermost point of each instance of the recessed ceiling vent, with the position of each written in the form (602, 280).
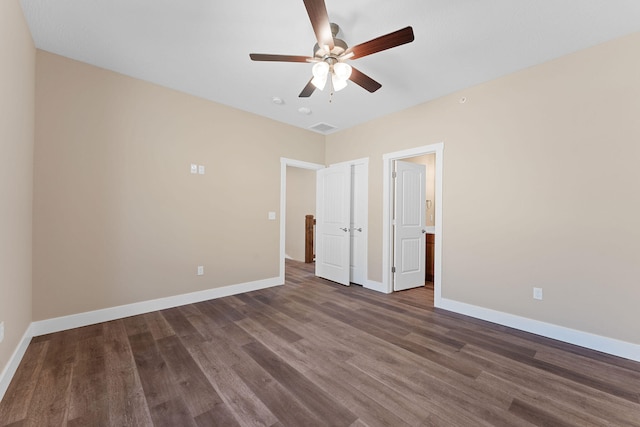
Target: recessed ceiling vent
(323, 128)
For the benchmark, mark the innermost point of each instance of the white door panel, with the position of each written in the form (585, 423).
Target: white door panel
(333, 217)
(358, 226)
(409, 238)
(411, 254)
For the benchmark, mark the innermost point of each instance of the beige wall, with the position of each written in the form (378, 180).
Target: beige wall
(118, 218)
(301, 201)
(541, 188)
(17, 86)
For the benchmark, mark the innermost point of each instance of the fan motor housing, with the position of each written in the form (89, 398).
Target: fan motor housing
(339, 46)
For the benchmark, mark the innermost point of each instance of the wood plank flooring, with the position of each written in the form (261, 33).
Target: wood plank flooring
(313, 353)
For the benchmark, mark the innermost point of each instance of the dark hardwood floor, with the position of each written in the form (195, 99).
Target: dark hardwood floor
(314, 353)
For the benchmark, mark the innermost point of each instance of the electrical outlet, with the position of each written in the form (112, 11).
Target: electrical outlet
(537, 293)
(1, 331)
(201, 270)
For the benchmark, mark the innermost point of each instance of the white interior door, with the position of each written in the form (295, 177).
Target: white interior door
(358, 226)
(333, 217)
(409, 216)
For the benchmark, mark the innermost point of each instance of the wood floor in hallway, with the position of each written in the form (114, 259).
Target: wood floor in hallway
(313, 353)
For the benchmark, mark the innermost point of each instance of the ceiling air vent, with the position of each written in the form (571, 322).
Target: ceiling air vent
(323, 128)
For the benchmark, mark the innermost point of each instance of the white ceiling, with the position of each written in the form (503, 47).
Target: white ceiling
(202, 47)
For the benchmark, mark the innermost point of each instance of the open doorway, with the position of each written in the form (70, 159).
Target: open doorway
(301, 201)
(298, 185)
(388, 214)
(429, 161)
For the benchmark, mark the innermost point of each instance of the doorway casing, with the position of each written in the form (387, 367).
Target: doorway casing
(387, 215)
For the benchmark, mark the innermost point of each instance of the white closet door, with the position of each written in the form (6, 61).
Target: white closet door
(359, 222)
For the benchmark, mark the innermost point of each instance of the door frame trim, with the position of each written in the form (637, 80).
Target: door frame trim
(284, 162)
(387, 214)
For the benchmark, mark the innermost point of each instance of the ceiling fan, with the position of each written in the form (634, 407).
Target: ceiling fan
(330, 53)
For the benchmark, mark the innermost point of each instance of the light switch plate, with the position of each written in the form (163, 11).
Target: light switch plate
(194, 168)
(272, 215)
(1, 331)
(537, 293)
(201, 170)
(200, 270)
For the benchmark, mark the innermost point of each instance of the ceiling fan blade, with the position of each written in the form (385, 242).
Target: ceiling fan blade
(308, 90)
(317, 11)
(381, 43)
(364, 81)
(279, 58)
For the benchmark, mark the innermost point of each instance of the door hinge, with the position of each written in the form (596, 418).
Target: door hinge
(394, 174)
(393, 269)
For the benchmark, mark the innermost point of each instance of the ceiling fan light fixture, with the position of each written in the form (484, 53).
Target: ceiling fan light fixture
(342, 70)
(330, 52)
(340, 74)
(319, 82)
(338, 83)
(320, 71)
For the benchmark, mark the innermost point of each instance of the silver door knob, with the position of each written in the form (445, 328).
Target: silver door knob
(424, 231)
(358, 229)
(345, 229)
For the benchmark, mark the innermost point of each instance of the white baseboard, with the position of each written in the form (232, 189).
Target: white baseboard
(104, 315)
(92, 317)
(376, 286)
(584, 339)
(10, 369)
(611, 346)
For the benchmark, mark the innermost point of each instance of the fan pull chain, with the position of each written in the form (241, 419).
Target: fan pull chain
(331, 92)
